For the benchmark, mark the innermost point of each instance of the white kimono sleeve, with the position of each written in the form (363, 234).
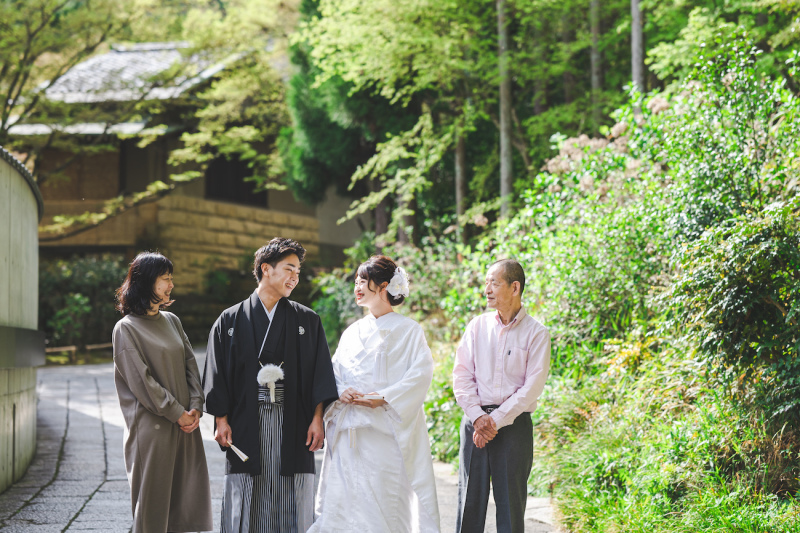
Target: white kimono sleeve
(407, 395)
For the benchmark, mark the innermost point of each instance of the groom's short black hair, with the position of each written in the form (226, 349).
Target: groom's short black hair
(512, 271)
(274, 252)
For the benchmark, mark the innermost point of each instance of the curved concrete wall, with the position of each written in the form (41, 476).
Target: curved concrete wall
(21, 345)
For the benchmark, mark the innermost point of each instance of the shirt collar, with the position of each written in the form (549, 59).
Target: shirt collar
(517, 319)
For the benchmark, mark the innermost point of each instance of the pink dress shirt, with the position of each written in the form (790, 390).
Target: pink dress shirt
(501, 365)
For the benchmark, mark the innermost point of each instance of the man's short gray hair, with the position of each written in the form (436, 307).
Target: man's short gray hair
(511, 272)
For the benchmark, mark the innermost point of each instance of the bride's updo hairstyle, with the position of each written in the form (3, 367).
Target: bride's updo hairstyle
(380, 269)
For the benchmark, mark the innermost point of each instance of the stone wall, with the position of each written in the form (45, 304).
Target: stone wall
(21, 345)
(201, 235)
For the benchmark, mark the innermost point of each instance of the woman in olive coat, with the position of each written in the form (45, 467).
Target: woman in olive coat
(158, 385)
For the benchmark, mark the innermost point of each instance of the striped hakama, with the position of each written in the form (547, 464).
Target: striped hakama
(269, 502)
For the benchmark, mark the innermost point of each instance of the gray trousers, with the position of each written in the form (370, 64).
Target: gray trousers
(506, 463)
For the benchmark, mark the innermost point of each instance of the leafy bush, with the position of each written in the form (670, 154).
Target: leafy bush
(642, 445)
(335, 304)
(76, 298)
(443, 413)
(656, 441)
(727, 140)
(67, 323)
(590, 236)
(738, 296)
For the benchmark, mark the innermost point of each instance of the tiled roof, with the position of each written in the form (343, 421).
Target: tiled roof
(127, 73)
(91, 128)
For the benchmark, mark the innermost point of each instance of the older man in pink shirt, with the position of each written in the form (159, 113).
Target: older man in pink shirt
(500, 370)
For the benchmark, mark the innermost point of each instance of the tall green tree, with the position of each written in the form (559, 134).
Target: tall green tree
(336, 128)
(506, 163)
(241, 113)
(437, 54)
(40, 41)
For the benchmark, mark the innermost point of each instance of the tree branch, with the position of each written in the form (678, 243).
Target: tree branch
(780, 307)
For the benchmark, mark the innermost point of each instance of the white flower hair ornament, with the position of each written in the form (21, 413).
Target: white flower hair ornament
(268, 375)
(399, 283)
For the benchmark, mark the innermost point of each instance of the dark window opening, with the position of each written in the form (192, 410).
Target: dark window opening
(225, 181)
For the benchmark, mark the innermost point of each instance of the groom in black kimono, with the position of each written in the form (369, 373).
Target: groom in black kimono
(272, 491)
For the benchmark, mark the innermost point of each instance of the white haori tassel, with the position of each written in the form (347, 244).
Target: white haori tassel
(381, 372)
(352, 434)
(267, 376)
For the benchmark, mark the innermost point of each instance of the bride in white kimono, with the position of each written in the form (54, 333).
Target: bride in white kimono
(377, 473)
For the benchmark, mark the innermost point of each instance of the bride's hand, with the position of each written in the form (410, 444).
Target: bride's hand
(369, 403)
(350, 395)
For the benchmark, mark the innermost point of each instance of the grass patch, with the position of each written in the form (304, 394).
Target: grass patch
(644, 444)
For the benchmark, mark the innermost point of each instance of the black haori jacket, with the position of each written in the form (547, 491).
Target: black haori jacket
(231, 388)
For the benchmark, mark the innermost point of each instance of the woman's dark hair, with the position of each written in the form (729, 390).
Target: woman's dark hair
(274, 252)
(137, 293)
(379, 269)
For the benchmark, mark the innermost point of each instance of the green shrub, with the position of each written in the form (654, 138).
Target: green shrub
(643, 446)
(738, 296)
(443, 413)
(68, 322)
(334, 302)
(590, 236)
(76, 298)
(727, 140)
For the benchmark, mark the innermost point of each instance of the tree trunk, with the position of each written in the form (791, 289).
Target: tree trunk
(506, 176)
(568, 76)
(637, 46)
(597, 81)
(461, 181)
(407, 233)
(381, 213)
(540, 86)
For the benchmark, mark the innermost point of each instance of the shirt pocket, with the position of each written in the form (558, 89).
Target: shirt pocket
(516, 364)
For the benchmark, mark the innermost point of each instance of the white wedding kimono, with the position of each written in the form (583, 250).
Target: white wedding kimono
(377, 473)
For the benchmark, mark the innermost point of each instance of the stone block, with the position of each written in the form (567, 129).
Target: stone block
(303, 222)
(226, 210)
(265, 216)
(281, 219)
(253, 228)
(170, 217)
(176, 202)
(206, 207)
(193, 220)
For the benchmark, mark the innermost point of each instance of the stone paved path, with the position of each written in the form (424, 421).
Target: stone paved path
(77, 479)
